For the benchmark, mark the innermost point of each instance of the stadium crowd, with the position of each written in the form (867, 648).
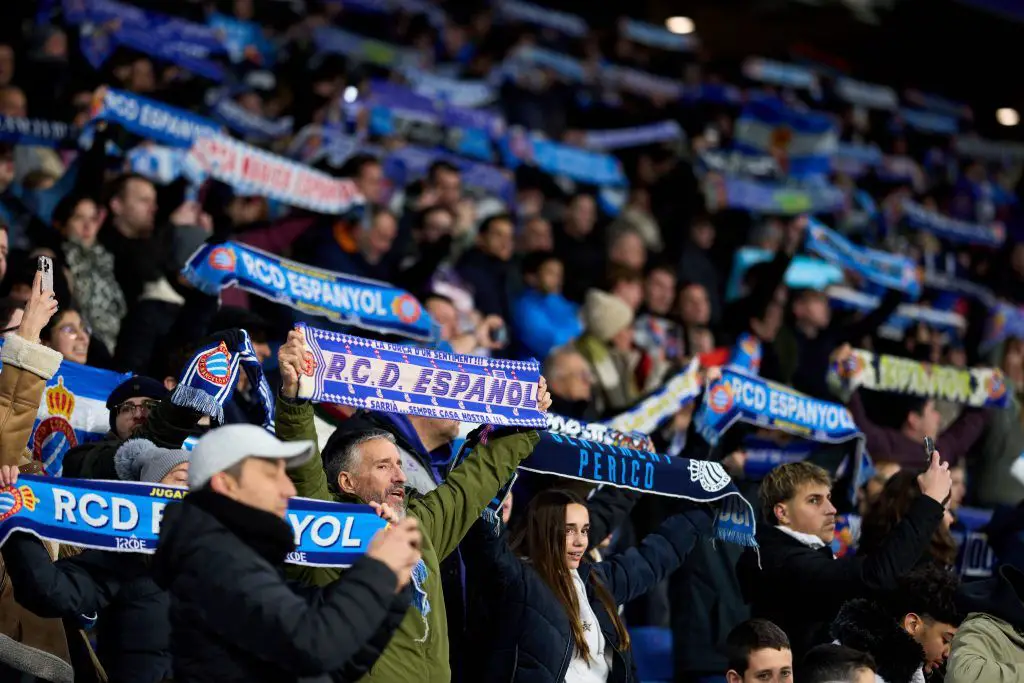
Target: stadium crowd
(746, 343)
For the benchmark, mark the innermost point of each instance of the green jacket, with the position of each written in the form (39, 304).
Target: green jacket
(986, 650)
(419, 649)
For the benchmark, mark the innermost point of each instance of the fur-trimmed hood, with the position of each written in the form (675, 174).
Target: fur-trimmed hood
(865, 626)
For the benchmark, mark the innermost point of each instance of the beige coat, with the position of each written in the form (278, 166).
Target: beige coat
(27, 643)
(986, 650)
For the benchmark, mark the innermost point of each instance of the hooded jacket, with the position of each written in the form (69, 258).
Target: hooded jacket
(866, 626)
(420, 646)
(989, 647)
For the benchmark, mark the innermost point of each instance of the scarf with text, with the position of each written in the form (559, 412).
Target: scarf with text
(150, 119)
(952, 229)
(976, 387)
(647, 415)
(739, 397)
(251, 171)
(343, 299)
(698, 481)
(125, 517)
(18, 130)
(415, 381)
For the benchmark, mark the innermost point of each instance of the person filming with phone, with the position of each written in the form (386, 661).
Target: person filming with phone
(800, 585)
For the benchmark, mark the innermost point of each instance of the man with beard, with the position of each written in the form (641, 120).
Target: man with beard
(366, 466)
(909, 632)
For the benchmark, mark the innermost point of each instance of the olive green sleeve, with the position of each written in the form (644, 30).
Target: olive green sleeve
(446, 513)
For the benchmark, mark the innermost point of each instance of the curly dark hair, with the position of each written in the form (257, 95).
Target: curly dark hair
(892, 505)
(928, 591)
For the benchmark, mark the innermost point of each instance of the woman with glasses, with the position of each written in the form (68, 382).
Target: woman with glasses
(68, 334)
(556, 613)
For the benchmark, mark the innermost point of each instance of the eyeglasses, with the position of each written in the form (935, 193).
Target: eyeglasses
(74, 331)
(131, 408)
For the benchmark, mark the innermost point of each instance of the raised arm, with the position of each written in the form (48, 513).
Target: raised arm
(447, 512)
(630, 574)
(82, 584)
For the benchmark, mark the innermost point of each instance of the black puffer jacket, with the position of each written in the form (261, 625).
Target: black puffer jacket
(866, 626)
(133, 626)
(532, 640)
(235, 618)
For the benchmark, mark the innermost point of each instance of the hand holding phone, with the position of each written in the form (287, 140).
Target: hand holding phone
(45, 266)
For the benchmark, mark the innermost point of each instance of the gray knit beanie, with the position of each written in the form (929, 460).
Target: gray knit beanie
(143, 460)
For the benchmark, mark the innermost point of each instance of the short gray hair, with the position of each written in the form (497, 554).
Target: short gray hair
(341, 454)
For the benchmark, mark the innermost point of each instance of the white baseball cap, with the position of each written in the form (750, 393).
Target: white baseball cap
(224, 447)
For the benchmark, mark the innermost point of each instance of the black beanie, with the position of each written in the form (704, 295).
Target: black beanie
(139, 386)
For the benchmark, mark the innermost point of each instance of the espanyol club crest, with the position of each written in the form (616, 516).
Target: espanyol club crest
(995, 386)
(406, 308)
(222, 258)
(720, 398)
(13, 499)
(54, 436)
(851, 367)
(214, 365)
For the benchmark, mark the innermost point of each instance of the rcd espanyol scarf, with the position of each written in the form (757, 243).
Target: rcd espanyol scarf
(739, 397)
(340, 298)
(977, 387)
(209, 380)
(125, 517)
(880, 267)
(414, 381)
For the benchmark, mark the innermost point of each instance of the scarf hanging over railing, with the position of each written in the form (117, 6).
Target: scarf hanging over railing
(880, 267)
(343, 299)
(953, 229)
(125, 517)
(255, 172)
(976, 387)
(156, 121)
(72, 411)
(650, 412)
(208, 381)
(739, 397)
(18, 130)
(414, 381)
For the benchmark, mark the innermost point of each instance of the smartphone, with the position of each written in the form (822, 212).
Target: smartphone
(499, 335)
(45, 266)
(929, 448)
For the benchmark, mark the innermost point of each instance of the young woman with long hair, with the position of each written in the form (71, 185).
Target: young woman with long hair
(553, 615)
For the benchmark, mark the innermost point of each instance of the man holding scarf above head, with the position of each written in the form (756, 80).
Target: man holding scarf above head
(366, 467)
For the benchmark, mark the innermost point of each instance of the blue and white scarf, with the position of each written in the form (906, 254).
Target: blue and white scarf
(555, 158)
(414, 381)
(459, 93)
(18, 130)
(125, 517)
(528, 13)
(636, 136)
(906, 315)
(656, 36)
(953, 229)
(647, 415)
(597, 433)
(880, 267)
(1006, 322)
(357, 47)
(343, 299)
(774, 198)
(150, 119)
(977, 387)
(251, 171)
(698, 481)
(209, 380)
(746, 354)
(739, 397)
(250, 126)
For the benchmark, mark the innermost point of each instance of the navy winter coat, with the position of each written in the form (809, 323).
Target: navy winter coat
(532, 639)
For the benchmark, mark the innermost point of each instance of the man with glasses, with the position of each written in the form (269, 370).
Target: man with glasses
(130, 405)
